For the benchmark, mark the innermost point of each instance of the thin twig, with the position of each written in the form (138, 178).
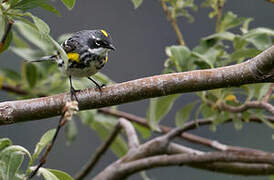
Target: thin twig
(247, 105)
(269, 93)
(13, 89)
(173, 23)
(68, 111)
(88, 167)
(5, 35)
(219, 15)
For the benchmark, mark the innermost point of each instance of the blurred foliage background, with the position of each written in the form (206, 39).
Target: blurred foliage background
(213, 34)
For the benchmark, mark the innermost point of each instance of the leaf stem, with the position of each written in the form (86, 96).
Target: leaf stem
(219, 15)
(173, 23)
(5, 35)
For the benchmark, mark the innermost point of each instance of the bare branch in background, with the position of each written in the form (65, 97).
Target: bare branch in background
(160, 151)
(247, 105)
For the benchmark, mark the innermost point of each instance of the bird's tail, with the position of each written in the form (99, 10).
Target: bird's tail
(44, 58)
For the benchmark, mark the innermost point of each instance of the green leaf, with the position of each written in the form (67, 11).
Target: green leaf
(221, 35)
(183, 115)
(102, 78)
(261, 41)
(207, 111)
(27, 4)
(15, 148)
(44, 141)
(61, 175)
(88, 116)
(18, 41)
(243, 54)
(30, 32)
(14, 163)
(49, 8)
(272, 176)
(158, 108)
(259, 37)
(238, 123)
(103, 125)
(11, 75)
(258, 31)
(70, 131)
(60, 50)
(144, 131)
(31, 74)
(203, 62)
(137, 3)
(244, 28)
(263, 90)
(239, 42)
(179, 55)
(69, 3)
(41, 25)
(207, 51)
(4, 142)
(27, 53)
(47, 174)
(230, 20)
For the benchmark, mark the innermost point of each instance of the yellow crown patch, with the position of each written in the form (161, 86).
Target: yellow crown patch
(104, 32)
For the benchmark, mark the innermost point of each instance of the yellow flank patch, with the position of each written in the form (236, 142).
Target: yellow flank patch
(73, 57)
(106, 59)
(104, 32)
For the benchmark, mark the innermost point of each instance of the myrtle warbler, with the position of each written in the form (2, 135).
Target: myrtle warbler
(87, 53)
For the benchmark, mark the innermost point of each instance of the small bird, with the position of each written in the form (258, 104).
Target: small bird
(87, 53)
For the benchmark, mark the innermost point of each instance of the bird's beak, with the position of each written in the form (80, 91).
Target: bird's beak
(111, 46)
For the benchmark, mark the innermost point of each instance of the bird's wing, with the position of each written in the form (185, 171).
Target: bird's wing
(70, 45)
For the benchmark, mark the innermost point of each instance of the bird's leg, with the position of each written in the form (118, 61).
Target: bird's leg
(72, 90)
(97, 85)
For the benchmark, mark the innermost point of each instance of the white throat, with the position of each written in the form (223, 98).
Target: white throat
(99, 51)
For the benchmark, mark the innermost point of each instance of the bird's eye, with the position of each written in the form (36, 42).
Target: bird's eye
(98, 42)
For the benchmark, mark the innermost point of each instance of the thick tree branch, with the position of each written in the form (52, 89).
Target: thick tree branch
(257, 70)
(129, 168)
(154, 153)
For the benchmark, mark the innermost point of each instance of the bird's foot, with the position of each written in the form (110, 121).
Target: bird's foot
(73, 94)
